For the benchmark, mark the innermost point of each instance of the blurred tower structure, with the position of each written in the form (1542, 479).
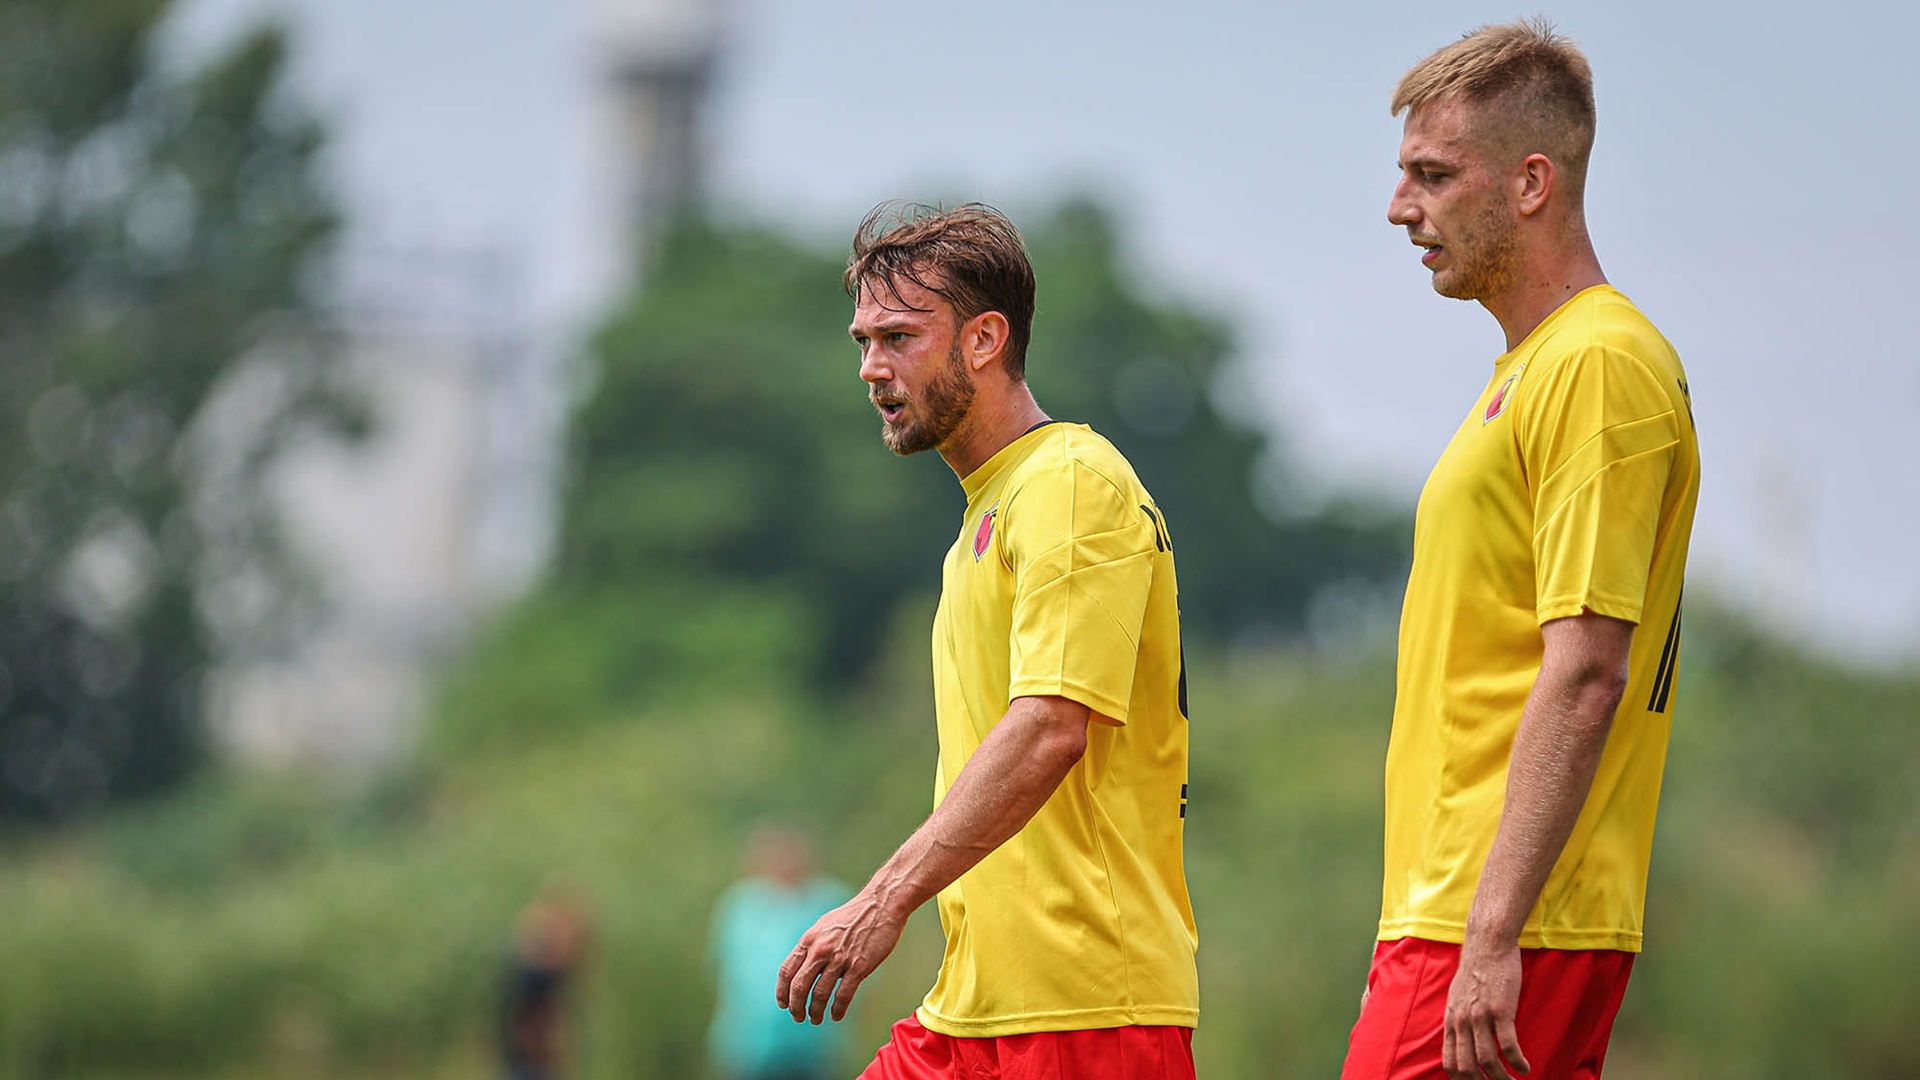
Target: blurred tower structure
(449, 508)
(659, 58)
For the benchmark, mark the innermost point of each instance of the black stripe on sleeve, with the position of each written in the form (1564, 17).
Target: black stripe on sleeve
(1669, 660)
(1159, 543)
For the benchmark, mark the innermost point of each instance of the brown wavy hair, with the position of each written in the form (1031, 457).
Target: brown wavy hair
(970, 256)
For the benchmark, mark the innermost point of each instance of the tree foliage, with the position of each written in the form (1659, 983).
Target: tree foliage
(253, 928)
(733, 514)
(157, 237)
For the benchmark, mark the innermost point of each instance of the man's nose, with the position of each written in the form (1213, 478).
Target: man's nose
(1400, 208)
(872, 369)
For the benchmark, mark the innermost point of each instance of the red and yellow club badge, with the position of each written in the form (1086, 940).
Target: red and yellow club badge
(1500, 398)
(983, 536)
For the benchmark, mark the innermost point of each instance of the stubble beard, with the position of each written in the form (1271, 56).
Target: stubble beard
(939, 409)
(1486, 255)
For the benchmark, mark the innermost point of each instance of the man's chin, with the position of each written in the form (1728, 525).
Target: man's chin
(904, 441)
(1453, 288)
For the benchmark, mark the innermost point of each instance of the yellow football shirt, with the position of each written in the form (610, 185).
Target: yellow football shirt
(1569, 488)
(1062, 583)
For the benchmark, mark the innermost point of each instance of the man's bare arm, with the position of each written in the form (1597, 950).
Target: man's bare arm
(1008, 779)
(1562, 734)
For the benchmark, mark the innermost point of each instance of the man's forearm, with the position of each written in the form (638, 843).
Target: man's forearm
(1012, 774)
(1008, 779)
(1556, 751)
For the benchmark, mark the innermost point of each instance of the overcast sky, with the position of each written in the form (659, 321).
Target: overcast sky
(1751, 190)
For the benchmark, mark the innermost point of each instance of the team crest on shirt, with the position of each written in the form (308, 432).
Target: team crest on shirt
(1500, 398)
(983, 536)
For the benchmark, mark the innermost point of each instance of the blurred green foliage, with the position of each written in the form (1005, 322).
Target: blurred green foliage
(278, 929)
(733, 515)
(156, 237)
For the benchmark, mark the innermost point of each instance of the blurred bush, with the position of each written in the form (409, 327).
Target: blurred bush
(732, 513)
(157, 348)
(280, 930)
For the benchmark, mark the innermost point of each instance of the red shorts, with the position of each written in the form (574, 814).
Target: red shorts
(1568, 999)
(1122, 1053)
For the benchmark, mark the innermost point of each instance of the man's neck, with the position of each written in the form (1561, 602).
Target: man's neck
(994, 422)
(1542, 285)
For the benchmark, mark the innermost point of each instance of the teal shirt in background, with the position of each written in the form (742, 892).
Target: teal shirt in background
(756, 924)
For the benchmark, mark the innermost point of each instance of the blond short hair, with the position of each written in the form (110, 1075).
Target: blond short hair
(1529, 86)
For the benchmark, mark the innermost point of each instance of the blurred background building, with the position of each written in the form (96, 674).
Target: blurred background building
(448, 508)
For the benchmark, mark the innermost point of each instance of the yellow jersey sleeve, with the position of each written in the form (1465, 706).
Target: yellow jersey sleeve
(1082, 565)
(1598, 434)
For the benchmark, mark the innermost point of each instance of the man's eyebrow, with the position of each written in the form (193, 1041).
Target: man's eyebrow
(885, 327)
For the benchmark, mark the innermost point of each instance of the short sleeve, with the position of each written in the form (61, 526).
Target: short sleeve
(1083, 565)
(1599, 434)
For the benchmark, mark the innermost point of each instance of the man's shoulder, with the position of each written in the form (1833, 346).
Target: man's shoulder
(1602, 321)
(1068, 453)
(1602, 364)
(1075, 483)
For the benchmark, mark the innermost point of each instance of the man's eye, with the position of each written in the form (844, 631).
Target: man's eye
(896, 338)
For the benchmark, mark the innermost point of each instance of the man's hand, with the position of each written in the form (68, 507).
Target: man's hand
(842, 949)
(1557, 748)
(1478, 1032)
(1012, 774)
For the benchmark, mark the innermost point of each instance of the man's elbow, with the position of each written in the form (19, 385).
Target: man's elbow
(1600, 688)
(1067, 744)
(1609, 691)
(1061, 742)
(1052, 729)
(1587, 660)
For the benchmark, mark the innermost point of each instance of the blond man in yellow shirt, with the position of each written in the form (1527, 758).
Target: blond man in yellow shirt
(1055, 844)
(1540, 638)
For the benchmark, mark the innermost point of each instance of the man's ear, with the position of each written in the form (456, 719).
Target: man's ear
(983, 339)
(1534, 181)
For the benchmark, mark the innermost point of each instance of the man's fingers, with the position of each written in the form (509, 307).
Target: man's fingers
(788, 969)
(1510, 1046)
(802, 987)
(1486, 1050)
(843, 996)
(1456, 1051)
(822, 993)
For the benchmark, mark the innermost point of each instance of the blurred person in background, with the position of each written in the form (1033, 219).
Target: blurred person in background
(536, 1030)
(754, 924)
(1055, 845)
(1531, 720)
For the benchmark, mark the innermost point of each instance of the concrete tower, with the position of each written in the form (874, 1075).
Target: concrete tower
(659, 58)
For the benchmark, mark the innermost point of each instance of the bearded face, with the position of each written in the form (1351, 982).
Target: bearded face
(913, 419)
(1456, 205)
(1482, 250)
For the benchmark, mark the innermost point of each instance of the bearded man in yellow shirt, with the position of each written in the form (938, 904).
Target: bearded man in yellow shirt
(1540, 636)
(1055, 844)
